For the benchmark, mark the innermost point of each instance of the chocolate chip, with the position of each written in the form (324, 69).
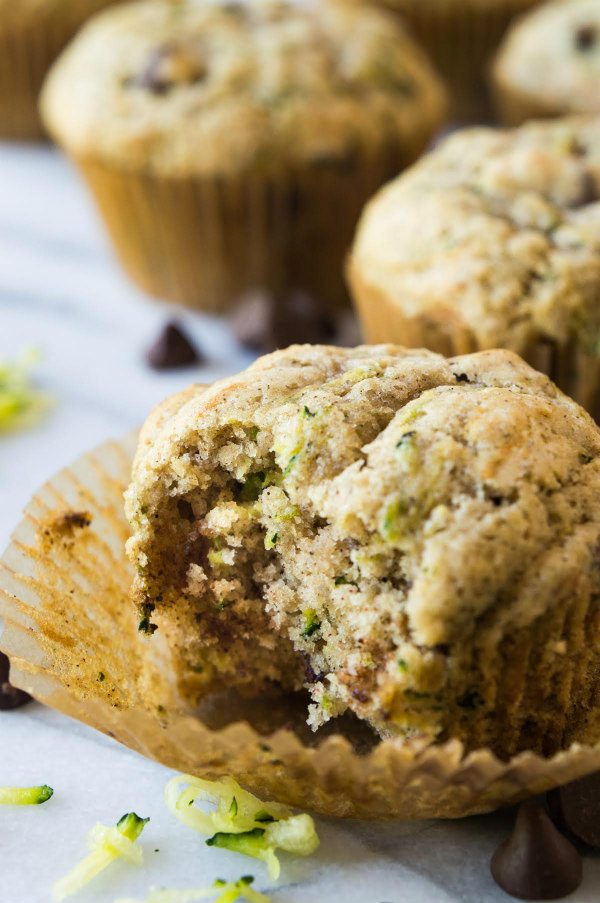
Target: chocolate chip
(461, 378)
(10, 697)
(168, 66)
(472, 699)
(576, 807)
(360, 695)
(264, 322)
(172, 349)
(586, 37)
(536, 862)
(232, 8)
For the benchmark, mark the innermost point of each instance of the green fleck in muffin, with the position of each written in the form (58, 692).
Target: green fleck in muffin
(231, 146)
(492, 241)
(437, 523)
(32, 35)
(549, 64)
(461, 37)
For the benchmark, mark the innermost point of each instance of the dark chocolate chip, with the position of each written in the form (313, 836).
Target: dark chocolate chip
(576, 808)
(360, 695)
(461, 378)
(312, 677)
(586, 37)
(10, 697)
(265, 323)
(240, 10)
(168, 66)
(172, 349)
(472, 699)
(536, 862)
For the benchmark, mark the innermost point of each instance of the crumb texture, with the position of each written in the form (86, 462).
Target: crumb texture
(410, 538)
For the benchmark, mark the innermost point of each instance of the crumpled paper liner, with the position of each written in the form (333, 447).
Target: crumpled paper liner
(72, 637)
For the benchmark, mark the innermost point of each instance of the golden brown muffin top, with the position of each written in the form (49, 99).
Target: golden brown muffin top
(206, 87)
(495, 231)
(553, 55)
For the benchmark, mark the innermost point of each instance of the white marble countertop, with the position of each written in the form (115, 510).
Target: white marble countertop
(61, 292)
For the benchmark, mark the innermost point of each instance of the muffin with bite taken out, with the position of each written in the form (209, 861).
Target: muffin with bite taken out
(408, 537)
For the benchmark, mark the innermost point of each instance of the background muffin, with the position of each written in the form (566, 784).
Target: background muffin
(492, 241)
(461, 37)
(231, 146)
(413, 538)
(549, 64)
(32, 34)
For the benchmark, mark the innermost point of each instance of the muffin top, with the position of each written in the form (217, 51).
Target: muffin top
(553, 55)
(494, 234)
(218, 86)
(383, 504)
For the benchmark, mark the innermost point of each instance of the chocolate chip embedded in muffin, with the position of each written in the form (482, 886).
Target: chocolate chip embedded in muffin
(586, 37)
(536, 862)
(169, 66)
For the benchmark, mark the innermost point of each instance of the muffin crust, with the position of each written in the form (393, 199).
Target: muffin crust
(490, 241)
(195, 88)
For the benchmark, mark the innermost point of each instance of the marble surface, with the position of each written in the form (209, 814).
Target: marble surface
(62, 293)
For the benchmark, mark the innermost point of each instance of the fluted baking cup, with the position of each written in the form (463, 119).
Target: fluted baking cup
(443, 330)
(71, 633)
(461, 37)
(30, 41)
(202, 241)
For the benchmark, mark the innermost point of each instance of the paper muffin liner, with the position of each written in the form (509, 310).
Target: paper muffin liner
(203, 241)
(568, 365)
(514, 106)
(461, 37)
(71, 634)
(25, 57)
(27, 50)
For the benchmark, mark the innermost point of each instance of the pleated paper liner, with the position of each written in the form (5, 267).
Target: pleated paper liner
(573, 370)
(202, 241)
(29, 43)
(72, 637)
(514, 106)
(461, 37)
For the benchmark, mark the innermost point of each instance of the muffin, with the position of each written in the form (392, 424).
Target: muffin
(549, 64)
(410, 538)
(230, 146)
(32, 34)
(461, 37)
(492, 241)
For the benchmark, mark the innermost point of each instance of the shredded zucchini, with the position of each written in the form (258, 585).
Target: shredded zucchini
(20, 403)
(25, 796)
(227, 891)
(106, 845)
(240, 821)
